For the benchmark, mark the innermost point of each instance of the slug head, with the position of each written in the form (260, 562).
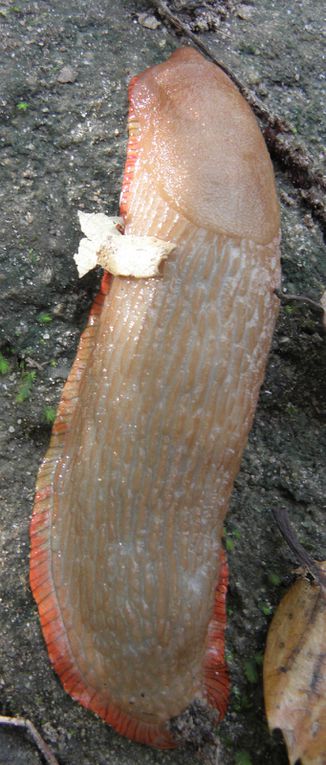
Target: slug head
(198, 141)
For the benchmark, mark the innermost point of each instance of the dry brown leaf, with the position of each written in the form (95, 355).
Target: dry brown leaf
(295, 672)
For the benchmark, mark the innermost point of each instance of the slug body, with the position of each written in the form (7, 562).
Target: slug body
(131, 497)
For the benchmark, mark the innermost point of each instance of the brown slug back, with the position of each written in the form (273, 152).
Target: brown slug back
(132, 494)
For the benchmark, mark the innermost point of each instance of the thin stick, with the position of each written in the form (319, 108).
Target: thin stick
(27, 725)
(301, 299)
(278, 133)
(282, 519)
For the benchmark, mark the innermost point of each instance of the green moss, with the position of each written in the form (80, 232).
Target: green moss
(25, 386)
(44, 318)
(229, 656)
(32, 256)
(240, 700)
(49, 413)
(248, 49)
(22, 106)
(243, 758)
(4, 365)
(265, 608)
(229, 537)
(250, 670)
(274, 579)
(289, 309)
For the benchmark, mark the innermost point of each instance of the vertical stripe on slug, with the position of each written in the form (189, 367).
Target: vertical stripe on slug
(126, 531)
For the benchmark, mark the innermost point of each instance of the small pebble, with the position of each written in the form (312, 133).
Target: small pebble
(150, 22)
(66, 74)
(244, 12)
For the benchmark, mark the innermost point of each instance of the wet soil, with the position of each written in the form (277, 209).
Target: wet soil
(62, 149)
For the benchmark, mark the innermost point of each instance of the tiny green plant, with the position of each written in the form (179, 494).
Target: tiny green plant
(274, 579)
(32, 256)
(49, 414)
(25, 387)
(229, 537)
(22, 106)
(240, 700)
(289, 309)
(44, 318)
(243, 758)
(4, 365)
(229, 544)
(291, 409)
(265, 608)
(250, 670)
(229, 656)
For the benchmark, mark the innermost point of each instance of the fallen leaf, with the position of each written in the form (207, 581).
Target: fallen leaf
(295, 671)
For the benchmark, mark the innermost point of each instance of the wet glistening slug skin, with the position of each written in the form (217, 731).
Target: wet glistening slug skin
(132, 494)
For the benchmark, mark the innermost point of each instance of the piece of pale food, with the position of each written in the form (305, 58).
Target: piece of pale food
(120, 254)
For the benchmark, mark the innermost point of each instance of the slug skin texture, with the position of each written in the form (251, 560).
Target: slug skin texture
(131, 497)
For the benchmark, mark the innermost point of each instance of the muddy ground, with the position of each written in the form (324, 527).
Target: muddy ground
(62, 149)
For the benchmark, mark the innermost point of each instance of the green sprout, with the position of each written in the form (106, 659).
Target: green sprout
(25, 387)
(32, 256)
(265, 608)
(274, 579)
(4, 365)
(243, 758)
(229, 537)
(250, 670)
(44, 318)
(49, 414)
(240, 700)
(22, 106)
(289, 309)
(229, 656)
(291, 409)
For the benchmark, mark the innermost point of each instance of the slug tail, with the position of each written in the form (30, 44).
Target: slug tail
(41, 571)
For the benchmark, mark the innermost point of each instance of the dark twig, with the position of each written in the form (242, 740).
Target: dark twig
(282, 519)
(292, 156)
(301, 300)
(27, 725)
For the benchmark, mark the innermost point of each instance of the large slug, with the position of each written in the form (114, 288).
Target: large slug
(132, 494)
